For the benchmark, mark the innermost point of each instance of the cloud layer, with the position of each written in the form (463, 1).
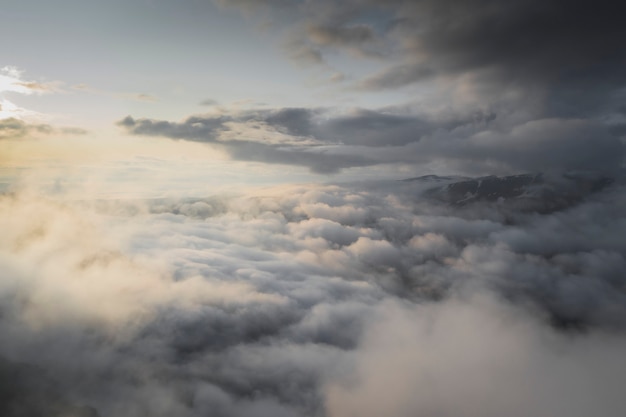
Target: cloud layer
(311, 300)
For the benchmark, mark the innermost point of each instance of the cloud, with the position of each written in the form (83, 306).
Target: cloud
(28, 390)
(12, 128)
(146, 97)
(250, 6)
(259, 135)
(302, 53)
(545, 59)
(527, 39)
(11, 82)
(327, 140)
(546, 145)
(532, 86)
(209, 102)
(17, 122)
(318, 161)
(311, 300)
(195, 128)
(396, 77)
(333, 35)
(477, 357)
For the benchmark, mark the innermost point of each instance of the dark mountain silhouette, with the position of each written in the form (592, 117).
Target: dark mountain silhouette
(526, 192)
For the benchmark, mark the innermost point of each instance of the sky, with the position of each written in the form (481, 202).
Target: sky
(287, 208)
(326, 90)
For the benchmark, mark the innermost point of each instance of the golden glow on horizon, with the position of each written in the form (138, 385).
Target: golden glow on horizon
(90, 149)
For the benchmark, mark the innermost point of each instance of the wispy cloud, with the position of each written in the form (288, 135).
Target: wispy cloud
(12, 82)
(145, 97)
(209, 102)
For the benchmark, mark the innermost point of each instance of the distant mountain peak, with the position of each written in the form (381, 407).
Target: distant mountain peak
(526, 192)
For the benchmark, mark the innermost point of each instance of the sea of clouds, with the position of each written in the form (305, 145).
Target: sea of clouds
(313, 300)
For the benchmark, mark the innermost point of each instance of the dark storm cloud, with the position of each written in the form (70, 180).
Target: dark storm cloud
(522, 39)
(567, 54)
(12, 128)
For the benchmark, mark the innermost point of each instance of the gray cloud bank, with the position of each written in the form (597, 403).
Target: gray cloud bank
(327, 300)
(327, 140)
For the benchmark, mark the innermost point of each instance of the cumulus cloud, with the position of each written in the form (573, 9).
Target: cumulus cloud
(325, 300)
